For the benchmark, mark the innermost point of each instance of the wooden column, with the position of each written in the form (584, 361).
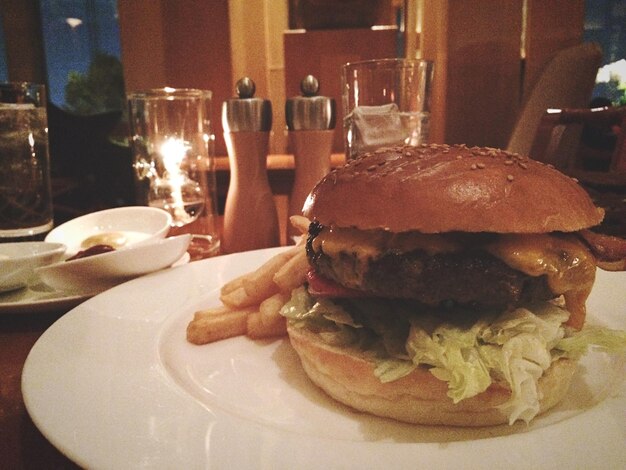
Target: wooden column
(24, 44)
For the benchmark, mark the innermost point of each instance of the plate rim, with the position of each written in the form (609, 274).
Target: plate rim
(62, 300)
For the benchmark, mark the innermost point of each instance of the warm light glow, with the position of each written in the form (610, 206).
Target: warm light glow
(613, 71)
(173, 152)
(73, 22)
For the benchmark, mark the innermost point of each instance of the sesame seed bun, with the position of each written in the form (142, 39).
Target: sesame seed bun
(441, 188)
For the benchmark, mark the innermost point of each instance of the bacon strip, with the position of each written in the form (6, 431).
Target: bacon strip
(610, 251)
(320, 286)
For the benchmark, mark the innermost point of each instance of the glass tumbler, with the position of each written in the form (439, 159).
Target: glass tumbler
(172, 146)
(25, 188)
(385, 102)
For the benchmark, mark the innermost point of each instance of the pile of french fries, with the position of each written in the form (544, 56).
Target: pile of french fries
(251, 303)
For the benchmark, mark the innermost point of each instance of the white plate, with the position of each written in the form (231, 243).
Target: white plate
(18, 262)
(39, 298)
(114, 384)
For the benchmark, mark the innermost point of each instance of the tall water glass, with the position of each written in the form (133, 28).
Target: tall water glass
(25, 188)
(385, 102)
(171, 141)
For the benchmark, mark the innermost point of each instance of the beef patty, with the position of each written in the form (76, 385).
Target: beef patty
(470, 277)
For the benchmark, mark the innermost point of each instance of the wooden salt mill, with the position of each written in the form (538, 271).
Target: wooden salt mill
(311, 122)
(250, 217)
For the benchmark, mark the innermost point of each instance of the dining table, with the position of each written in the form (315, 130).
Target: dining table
(22, 445)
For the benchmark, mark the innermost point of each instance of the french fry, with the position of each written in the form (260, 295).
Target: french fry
(260, 287)
(230, 286)
(270, 307)
(209, 327)
(257, 285)
(212, 312)
(264, 274)
(252, 301)
(256, 329)
(293, 273)
(300, 222)
(238, 298)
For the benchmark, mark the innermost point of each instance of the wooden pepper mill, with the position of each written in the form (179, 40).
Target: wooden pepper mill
(311, 122)
(250, 217)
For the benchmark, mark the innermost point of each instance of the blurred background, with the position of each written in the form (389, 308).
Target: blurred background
(90, 53)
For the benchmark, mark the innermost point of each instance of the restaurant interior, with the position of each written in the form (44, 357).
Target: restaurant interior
(499, 66)
(488, 61)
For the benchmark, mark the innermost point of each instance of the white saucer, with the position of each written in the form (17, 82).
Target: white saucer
(39, 298)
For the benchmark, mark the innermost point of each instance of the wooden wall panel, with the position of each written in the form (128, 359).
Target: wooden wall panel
(552, 25)
(142, 44)
(476, 48)
(178, 44)
(256, 32)
(322, 53)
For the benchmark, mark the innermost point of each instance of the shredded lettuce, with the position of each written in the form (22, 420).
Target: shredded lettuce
(601, 339)
(517, 347)
(299, 305)
(393, 369)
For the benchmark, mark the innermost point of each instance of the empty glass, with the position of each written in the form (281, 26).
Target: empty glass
(385, 102)
(171, 138)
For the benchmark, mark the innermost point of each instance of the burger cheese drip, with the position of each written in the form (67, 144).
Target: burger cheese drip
(563, 259)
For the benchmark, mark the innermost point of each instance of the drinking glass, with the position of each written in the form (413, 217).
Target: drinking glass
(173, 159)
(385, 102)
(25, 188)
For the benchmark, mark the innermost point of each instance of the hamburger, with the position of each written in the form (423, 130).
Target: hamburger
(447, 285)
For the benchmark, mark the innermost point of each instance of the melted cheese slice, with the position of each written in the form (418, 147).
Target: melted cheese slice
(567, 263)
(368, 244)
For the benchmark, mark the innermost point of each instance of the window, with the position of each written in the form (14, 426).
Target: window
(4, 74)
(82, 49)
(605, 23)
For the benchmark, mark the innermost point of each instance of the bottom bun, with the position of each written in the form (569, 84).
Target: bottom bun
(418, 398)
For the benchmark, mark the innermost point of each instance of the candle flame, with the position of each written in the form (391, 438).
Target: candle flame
(173, 151)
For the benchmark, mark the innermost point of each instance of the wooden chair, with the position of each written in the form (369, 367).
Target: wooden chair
(599, 156)
(567, 81)
(598, 161)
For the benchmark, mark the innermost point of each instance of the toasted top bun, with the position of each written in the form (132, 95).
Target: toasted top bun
(347, 375)
(442, 188)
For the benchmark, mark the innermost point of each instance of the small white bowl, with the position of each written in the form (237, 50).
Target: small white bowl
(19, 260)
(120, 227)
(96, 273)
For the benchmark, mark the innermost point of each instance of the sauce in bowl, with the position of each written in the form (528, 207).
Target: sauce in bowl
(116, 240)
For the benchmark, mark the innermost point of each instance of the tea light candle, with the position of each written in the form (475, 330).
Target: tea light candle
(173, 153)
